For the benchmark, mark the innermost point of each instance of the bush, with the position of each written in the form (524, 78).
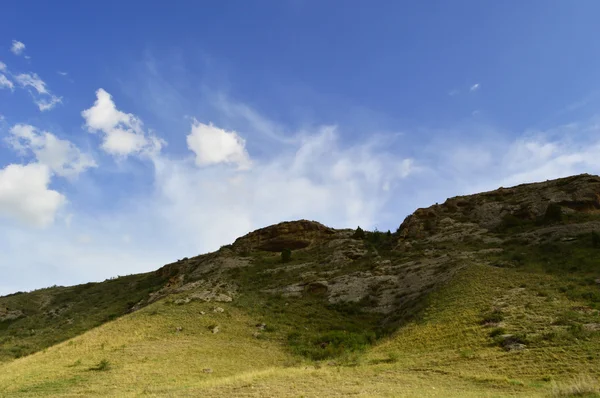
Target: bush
(286, 255)
(553, 213)
(495, 316)
(102, 366)
(497, 332)
(595, 239)
(330, 344)
(359, 233)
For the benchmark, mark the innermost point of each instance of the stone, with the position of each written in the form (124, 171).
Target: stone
(215, 330)
(7, 315)
(178, 329)
(218, 309)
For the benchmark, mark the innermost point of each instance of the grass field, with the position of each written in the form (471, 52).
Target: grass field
(449, 351)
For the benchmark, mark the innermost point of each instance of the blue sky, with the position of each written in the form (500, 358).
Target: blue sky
(133, 134)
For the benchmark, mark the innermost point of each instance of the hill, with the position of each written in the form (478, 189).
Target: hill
(493, 294)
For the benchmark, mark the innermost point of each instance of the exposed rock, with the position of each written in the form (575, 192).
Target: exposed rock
(515, 347)
(8, 315)
(178, 329)
(488, 210)
(593, 327)
(261, 326)
(215, 329)
(292, 235)
(218, 309)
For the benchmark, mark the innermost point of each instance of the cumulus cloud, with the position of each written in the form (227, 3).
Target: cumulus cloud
(123, 132)
(25, 195)
(5, 83)
(213, 145)
(17, 47)
(60, 156)
(43, 98)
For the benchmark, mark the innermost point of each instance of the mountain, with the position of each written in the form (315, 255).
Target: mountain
(493, 294)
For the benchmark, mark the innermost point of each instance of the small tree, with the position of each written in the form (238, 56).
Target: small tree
(595, 239)
(359, 233)
(286, 255)
(553, 213)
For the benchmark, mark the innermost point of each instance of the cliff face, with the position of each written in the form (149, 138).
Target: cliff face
(489, 210)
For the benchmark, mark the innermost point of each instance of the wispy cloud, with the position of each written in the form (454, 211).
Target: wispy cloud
(43, 98)
(474, 87)
(17, 47)
(5, 83)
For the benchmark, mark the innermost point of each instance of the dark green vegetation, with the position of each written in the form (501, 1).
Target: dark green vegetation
(328, 330)
(55, 314)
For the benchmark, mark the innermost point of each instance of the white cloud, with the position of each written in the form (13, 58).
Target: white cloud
(2, 67)
(4, 82)
(32, 80)
(17, 47)
(213, 145)
(61, 156)
(44, 99)
(123, 132)
(47, 104)
(25, 196)
(62, 73)
(474, 87)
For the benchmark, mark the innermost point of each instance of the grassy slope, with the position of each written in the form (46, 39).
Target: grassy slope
(446, 353)
(58, 313)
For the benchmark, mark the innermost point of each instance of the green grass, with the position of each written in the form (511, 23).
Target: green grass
(56, 314)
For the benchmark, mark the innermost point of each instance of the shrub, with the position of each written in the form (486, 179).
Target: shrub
(359, 233)
(495, 316)
(286, 255)
(102, 366)
(595, 239)
(497, 332)
(553, 213)
(330, 344)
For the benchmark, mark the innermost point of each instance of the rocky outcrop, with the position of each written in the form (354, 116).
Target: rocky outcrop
(488, 210)
(8, 315)
(292, 235)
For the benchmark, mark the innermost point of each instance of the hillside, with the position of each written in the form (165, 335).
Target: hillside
(493, 294)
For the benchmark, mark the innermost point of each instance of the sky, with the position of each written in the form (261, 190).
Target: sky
(133, 134)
